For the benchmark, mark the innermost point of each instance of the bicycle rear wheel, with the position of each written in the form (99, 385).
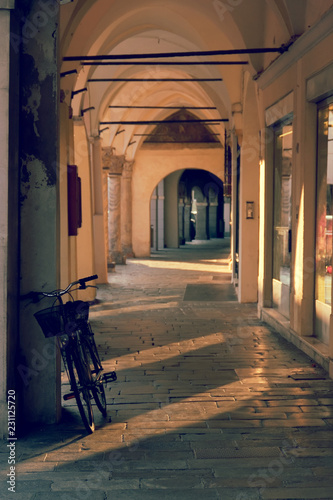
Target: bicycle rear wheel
(97, 387)
(79, 378)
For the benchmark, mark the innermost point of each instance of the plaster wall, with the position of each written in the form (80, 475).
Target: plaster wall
(84, 239)
(299, 67)
(249, 192)
(65, 158)
(99, 202)
(151, 166)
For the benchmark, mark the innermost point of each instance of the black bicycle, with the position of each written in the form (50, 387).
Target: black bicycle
(69, 322)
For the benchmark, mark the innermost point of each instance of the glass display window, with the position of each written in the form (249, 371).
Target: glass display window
(324, 208)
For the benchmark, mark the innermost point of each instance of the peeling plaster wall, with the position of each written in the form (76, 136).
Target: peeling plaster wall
(38, 363)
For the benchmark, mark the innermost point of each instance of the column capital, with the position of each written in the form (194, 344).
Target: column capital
(112, 163)
(95, 139)
(128, 168)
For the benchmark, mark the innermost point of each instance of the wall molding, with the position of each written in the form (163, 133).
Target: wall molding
(300, 47)
(280, 110)
(319, 86)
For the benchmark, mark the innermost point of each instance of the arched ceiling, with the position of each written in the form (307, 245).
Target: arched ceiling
(113, 27)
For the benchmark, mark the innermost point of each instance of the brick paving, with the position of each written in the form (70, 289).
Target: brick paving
(210, 403)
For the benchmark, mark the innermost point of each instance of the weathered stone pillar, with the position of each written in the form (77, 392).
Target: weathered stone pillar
(187, 219)
(201, 225)
(114, 166)
(126, 209)
(212, 215)
(8, 222)
(38, 364)
(181, 220)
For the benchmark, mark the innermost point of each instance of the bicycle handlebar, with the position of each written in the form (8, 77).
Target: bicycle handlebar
(57, 293)
(83, 281)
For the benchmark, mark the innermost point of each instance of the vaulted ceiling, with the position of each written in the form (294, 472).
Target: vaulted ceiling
(118, 27)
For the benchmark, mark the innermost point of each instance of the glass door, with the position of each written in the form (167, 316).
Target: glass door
(324, 216)
(283, 140)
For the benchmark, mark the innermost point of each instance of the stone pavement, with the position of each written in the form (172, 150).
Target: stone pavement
(209, 403)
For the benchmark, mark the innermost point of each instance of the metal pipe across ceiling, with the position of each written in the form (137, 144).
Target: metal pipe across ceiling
(157, 55)
(155, 122)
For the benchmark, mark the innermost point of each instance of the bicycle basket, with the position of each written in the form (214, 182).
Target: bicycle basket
(51, 320)
(77, 311)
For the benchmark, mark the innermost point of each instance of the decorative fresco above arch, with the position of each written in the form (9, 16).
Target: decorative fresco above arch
(181, 132)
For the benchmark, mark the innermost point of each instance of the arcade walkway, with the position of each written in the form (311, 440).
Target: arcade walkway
(209, 402)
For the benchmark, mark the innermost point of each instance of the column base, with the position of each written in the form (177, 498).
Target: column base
(117, 257)
(128, 252)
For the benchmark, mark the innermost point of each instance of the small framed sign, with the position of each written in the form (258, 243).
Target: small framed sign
(250, 209)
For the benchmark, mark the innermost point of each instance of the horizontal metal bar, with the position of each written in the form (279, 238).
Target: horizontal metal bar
(65, 73)
(155, 80)
(74, 92)
(181, 108)
(157, 135)
(259, 50)
(164, 63)
(153, 122)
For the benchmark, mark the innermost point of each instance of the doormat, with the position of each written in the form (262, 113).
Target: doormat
(308, 376)
(222, 277)
(223, 292)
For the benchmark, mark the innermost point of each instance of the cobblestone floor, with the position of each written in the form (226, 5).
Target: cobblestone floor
(209, 403)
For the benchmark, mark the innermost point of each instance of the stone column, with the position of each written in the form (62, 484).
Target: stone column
(126, 209)
(8, 213)
(38, 364)
(187, 219)
(201, 225)
(181, 220)
(212, 216)
(114, 166)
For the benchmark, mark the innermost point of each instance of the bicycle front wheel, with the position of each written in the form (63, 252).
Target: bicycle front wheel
(79, 378)
(94, 363)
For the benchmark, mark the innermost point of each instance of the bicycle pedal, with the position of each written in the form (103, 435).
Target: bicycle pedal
(68, 396)
(109, 377)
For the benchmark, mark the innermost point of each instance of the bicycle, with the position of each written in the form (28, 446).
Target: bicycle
(69, 322)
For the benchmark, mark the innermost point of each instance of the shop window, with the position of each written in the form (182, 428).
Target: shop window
(282, 202)
(324, 212)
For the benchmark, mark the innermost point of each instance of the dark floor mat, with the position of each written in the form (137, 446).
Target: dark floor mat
(211, 293)
(222, 277)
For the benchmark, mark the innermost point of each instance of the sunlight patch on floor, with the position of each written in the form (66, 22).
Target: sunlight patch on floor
(168, 351)
(184, 266)
(130, 309)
